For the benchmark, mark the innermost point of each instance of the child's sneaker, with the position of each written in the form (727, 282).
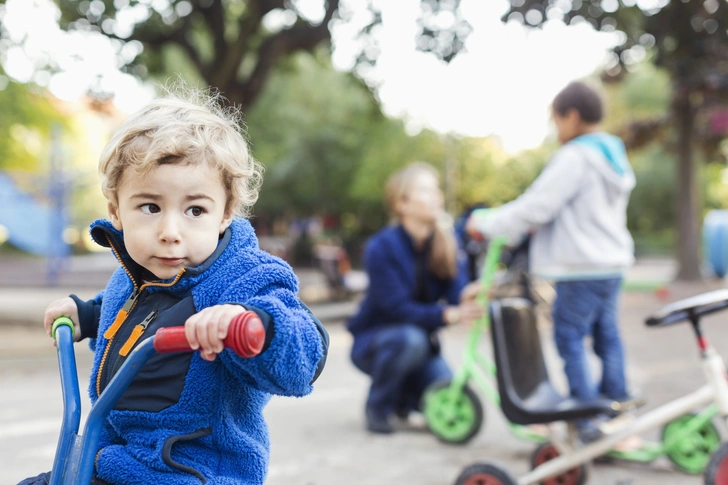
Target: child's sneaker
(588, 430)
(633, 400)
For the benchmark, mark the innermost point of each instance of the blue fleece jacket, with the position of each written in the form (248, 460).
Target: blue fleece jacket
(213, 430)
(391, 259)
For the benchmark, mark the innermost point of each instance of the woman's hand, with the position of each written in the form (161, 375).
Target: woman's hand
(470, 291)
(64, 307)
(207, 329)
(467, 311)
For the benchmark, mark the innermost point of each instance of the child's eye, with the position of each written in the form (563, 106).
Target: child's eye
(149, 208)
(195, 211)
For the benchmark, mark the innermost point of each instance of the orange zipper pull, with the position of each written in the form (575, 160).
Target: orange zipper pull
(136, 333)
(121, 316)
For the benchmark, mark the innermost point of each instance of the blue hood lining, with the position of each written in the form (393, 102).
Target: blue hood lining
(611, 147)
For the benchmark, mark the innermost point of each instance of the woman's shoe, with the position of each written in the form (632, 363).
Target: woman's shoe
(378, 421)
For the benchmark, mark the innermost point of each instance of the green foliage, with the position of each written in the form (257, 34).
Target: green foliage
(390, 149)
(26, 120)
(651, 208)
(716, 186)
(235, 45)
(327, 147)
(643, 95)
(309, 129)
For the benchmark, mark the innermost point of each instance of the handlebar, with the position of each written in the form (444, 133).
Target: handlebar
(690, 309)
(246, 336)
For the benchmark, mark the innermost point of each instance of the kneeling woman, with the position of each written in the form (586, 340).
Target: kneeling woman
(417, 285)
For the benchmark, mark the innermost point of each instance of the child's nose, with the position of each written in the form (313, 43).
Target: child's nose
(170, 230)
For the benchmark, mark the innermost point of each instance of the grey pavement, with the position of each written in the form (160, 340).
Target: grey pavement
(25, 290)
(320, 440)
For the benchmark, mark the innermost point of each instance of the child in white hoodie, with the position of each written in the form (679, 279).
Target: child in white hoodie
(576, 212)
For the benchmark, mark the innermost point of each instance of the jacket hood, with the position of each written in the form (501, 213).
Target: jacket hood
(608, 156)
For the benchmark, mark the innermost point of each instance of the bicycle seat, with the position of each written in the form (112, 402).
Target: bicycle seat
(526, 393)
(690, 308)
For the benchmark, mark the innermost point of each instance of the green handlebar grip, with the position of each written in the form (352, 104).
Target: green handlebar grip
(62, 321)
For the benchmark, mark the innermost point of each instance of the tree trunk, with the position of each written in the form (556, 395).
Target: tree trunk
(688, 198)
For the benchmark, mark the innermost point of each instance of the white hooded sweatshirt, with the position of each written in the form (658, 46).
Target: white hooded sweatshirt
(576, 210)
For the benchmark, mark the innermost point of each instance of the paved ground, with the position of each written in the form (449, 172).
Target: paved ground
(319, 440)
(25, 290)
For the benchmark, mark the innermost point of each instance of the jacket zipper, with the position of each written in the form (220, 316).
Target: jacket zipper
(109, 334)
(137, 333)
(120, 317)
(124, 312)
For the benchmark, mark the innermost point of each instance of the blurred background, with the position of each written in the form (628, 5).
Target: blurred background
(337, 95)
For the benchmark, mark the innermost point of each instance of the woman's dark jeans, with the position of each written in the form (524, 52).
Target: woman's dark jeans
(402, 362)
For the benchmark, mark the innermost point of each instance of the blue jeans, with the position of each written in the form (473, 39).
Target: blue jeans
(401, 362)
(590, 308)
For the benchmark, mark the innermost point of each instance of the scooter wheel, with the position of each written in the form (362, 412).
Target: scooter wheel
(547, 452)
(692, 452)
(453, 420)
(716, 473)
(485, 474)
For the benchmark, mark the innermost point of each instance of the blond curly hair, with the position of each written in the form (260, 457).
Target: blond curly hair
(186, 125)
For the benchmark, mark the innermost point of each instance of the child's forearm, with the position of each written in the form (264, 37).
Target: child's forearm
(294, 357)
(89, 315)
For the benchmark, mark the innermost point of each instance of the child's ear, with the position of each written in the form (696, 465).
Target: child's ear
(114, 216)
(574, 116)
(226, 221)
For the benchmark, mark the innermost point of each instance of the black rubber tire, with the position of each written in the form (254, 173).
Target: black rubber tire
(485, 474)
(478, 418)
(547, 451)
(717, 469)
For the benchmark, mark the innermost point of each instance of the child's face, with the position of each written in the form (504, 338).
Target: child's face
(171, 218)
(568, 126)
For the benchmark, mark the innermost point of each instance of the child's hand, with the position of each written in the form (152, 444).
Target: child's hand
(473, 224)
(64, 307)
(207, 329)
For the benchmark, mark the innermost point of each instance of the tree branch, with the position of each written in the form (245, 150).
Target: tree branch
(637, 134)
(214, 16)
(179, 36)
(228, 61)
(298, 37)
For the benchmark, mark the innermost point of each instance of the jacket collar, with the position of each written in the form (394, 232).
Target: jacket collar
(104, 234)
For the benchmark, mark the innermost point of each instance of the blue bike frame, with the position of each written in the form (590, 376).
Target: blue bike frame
(74, 460)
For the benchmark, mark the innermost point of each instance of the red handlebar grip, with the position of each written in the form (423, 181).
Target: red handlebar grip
(246, 336)
(171, 339)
